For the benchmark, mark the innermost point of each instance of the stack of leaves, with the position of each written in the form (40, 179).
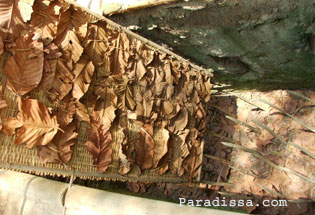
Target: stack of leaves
(94, 73)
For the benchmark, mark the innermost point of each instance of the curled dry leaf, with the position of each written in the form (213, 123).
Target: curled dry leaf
(24, 70)
(125, 95)
(81, 112)
(116, 58)
(34, 123)
(65, 112)
(45, 19)
(180, 151)
(124, 163)
(67, 39)
(62, 83)
(95, 43)
(80, 22)
(193, 160)
(51, 54)
(59, 150)
(167, 108)
(98, 143)
(179, 122)
(14, 14)
(161, 146)
(107, 107)
(144, 101)
(83, 73)
(144, 147)
(140, 69)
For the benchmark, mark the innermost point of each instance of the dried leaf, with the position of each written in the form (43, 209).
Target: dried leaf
(144, 104)
(34, 123)
(161, 146)
(59, 150)
(125, 95)
(24, 70)
(193, 161)
(96, 43)
(140, 69)
(124, 163)
(98, 143)
(14, 14)
(81, 112)
(67, 39)
(45, 19)
(179, 152)
(168, 73)
(1, 46)
(62, 83)
(48, 153)
(83, 72)
(65, 113)
(107, 107)
(80, 20)
(51, 54)
(179, 122)
(116, 59)
(167, 108)
(144, 147)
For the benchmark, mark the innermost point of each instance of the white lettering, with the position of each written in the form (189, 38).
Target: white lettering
(198, 203)
(266, 204)
(216, 202)
(249, 203)
(182, 201)
(190, 202)
(207, 203)
(232, 203)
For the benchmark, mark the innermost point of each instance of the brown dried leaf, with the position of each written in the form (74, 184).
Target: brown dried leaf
(168, 73)
(193, 161)
(34, 123)
(144, 147)
(124, 163)
(45, 19)
(1, 46)
(179, 152)
(59, 150)
(161, 146)
(14, 14)
(167, 108)
(179, 122)
(81, 112)
(24, 70)
(107, 107)
(67, 39)
(96, 43)
(51, 55)
(62, 83)
(65, 113)
(125, 95)
(116, 59)
(98, 143)
(144, 104)
(83, 72)
(48, 153)
(140, 69)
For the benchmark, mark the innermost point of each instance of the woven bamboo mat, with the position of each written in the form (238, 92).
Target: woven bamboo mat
(18, 157)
